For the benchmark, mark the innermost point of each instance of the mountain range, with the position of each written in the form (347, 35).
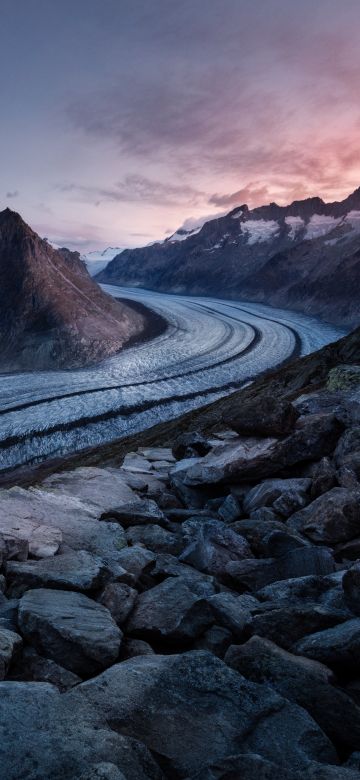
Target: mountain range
(52, 314)
(305, 257)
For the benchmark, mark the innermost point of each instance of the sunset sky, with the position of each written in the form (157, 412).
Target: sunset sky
(122, 118)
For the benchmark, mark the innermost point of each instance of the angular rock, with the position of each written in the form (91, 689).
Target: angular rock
(131, 648)
(263, 417)
(155, 538)
(323, 477)
(314, 438)
(216, 640)
(190, 444)
(229, 613)
(303, 681)
(10, 646)
(78, 570)
(119, 599)
(332, 518)
(69, 628)
(157, 453)
(230, 509)
(170, 613)
(168, 566)
(288, 624)
(347, 453)
(13, 547)
(140, 512)
(33, 667)
(45, 734)
(256, 574)
(337, 647)
(351, 586)
(267, 492)
(205, 712)
(211, 545)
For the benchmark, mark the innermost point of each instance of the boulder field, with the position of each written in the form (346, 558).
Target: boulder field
(192, 613)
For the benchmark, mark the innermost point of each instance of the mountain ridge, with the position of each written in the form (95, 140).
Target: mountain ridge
(302, 256)
(52, 315)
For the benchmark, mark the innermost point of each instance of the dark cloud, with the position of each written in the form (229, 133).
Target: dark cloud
(12, 194)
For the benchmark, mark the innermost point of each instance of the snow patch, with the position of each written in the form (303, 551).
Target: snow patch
(319, 225)
(97, 260)
(182, 234)
(353, 218)
(260, 230)
(295, 224)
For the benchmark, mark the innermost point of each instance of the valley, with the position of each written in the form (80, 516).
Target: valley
(210, 347)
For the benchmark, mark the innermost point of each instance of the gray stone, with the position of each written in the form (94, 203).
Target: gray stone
(190, 444)
(131, 648)
(168, 566)
(10, 646)
(303, 681)
(337, 647)
(119, 599)
(46, 734)
(332, 518)
(35, 668)
(103, 771)
(135, 561)
(230, 510)
(170, 613)
(211, 545)
(229, 613)
(285, 625)
(69, 628)
(256, 574)
(78, 570)
(193, 710)
(271, 490)
(347, 453)
(140, 512)
(216, 640)
(155, 538)
(323, 477)
(351, 586)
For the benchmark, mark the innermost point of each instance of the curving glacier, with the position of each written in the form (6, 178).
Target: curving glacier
(210, 347)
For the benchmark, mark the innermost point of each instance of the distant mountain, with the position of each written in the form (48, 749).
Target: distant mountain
(305, 256)
(97, 260)
(51, 312)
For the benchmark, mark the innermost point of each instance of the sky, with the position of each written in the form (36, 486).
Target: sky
(123, 119)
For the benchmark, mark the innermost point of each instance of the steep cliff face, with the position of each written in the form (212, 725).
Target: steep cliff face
(305, 256)
(52, 315)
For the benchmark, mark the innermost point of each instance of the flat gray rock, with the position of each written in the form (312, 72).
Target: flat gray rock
(80, 571)
(337, 647)
(332, 518)
(69, 628)
(140, 512)
(10, 646)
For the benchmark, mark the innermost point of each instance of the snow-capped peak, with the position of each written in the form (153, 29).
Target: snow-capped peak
(96, 260)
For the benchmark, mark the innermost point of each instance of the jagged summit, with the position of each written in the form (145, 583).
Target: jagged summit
(304, 256)
(51, 312)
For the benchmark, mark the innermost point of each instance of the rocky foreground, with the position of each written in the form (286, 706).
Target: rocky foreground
(193, 613)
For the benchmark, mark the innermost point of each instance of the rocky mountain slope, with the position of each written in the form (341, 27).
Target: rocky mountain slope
(305, 256)
(193, 611)
(51, 312)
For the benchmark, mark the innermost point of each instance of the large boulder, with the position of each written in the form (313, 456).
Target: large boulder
(211, 545)
(74, 570)
(155, 538)
(192, 710)
(256, 574)
(303, 681)
(44, 734)
(119, 599)
(262, 417)
(251, 459)
(332, 518)
(69, 628)
(337, 647)
(287, 624)
(170, 613)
